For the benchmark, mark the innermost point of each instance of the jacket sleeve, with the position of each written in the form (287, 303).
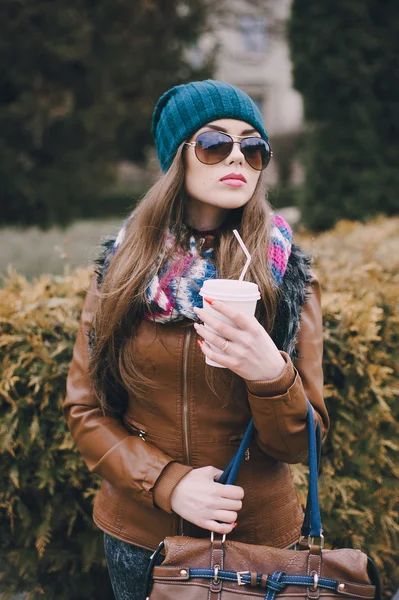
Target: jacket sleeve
(279, 407)
(107, 447)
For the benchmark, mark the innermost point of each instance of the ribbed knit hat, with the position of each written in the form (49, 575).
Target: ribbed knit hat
(184, 109)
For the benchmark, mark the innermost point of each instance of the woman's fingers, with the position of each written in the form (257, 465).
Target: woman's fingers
(218, 527)
(228, 504)
(225, 516)
(241, 321)
(221, 327)
(198, 498)
(234, 492)
(221, 358)
(209, 336)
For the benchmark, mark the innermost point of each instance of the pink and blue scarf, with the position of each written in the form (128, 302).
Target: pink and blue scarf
(173, 292)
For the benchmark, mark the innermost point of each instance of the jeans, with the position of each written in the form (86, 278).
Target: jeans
(127, 566)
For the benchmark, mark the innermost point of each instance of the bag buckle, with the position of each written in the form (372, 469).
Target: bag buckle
(239, 577)
(315, 581)
(312, 540)
(316, 541)
(216, 570)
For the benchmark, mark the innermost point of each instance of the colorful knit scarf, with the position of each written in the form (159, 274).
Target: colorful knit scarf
(174, 291)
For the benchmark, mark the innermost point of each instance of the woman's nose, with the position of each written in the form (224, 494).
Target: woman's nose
(235, 155)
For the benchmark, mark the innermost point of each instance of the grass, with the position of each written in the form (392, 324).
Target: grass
(32, 252)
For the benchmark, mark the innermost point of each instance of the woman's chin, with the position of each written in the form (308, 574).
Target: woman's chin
(234, 198)
(227, 199)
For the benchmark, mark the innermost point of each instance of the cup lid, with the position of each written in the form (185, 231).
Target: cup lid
(230, 289)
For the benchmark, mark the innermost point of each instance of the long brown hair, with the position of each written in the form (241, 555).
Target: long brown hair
(122, 299)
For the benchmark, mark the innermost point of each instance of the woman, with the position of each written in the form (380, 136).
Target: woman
(146, 412)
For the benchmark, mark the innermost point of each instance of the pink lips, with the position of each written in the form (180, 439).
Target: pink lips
(234, 180)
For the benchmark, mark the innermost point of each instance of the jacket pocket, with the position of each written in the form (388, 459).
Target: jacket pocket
(235, 440)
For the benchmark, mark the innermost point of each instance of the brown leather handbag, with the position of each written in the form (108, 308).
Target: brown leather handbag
(219, 569)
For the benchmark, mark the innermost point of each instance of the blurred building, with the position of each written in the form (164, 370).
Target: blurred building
(251, 51)
(253, 54)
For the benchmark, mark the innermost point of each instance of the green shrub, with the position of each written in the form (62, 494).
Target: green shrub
(345, 67)
(116, 202)
(49, 545)
(281, 196)
(79, 97)
(358, 266)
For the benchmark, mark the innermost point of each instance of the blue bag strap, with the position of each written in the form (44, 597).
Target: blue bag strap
(312, 520)
(316, 529)
(306, 526)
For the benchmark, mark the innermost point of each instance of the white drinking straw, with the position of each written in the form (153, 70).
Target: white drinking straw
(247, 254)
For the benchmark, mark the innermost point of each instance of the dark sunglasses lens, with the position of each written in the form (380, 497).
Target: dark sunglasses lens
(212, 147)
(257, 152)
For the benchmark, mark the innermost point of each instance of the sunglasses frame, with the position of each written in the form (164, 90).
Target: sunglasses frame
(240, 137)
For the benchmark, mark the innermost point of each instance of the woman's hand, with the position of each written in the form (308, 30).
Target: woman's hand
(198, 498)
(250, 352)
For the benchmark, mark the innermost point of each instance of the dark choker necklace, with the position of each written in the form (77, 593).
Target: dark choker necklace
(204, 231)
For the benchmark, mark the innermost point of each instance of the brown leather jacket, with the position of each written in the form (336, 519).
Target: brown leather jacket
(183, 425)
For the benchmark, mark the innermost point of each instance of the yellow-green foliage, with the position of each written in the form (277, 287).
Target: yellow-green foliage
(48, 545)
(358, 266)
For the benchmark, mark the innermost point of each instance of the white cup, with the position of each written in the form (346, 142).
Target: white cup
(240, 295)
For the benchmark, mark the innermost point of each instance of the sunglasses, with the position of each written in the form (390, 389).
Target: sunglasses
(211, 147)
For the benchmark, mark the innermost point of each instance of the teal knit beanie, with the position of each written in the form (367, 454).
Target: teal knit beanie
(184, 109)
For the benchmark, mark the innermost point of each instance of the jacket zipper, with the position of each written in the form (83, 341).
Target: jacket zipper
(140, 432)
(185, 411)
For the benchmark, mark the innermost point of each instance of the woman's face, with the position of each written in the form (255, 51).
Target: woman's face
(210, 184)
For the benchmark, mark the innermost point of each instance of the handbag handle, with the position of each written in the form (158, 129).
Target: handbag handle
(311, 527)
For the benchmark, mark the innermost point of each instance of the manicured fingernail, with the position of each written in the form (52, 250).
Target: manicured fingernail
(209, 300)
(199, 343)
(235, 524)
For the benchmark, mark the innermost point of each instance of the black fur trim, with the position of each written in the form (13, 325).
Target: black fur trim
(292, 296)
(102, 262)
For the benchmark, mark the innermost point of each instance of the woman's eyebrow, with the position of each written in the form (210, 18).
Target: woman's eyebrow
(218, 128)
